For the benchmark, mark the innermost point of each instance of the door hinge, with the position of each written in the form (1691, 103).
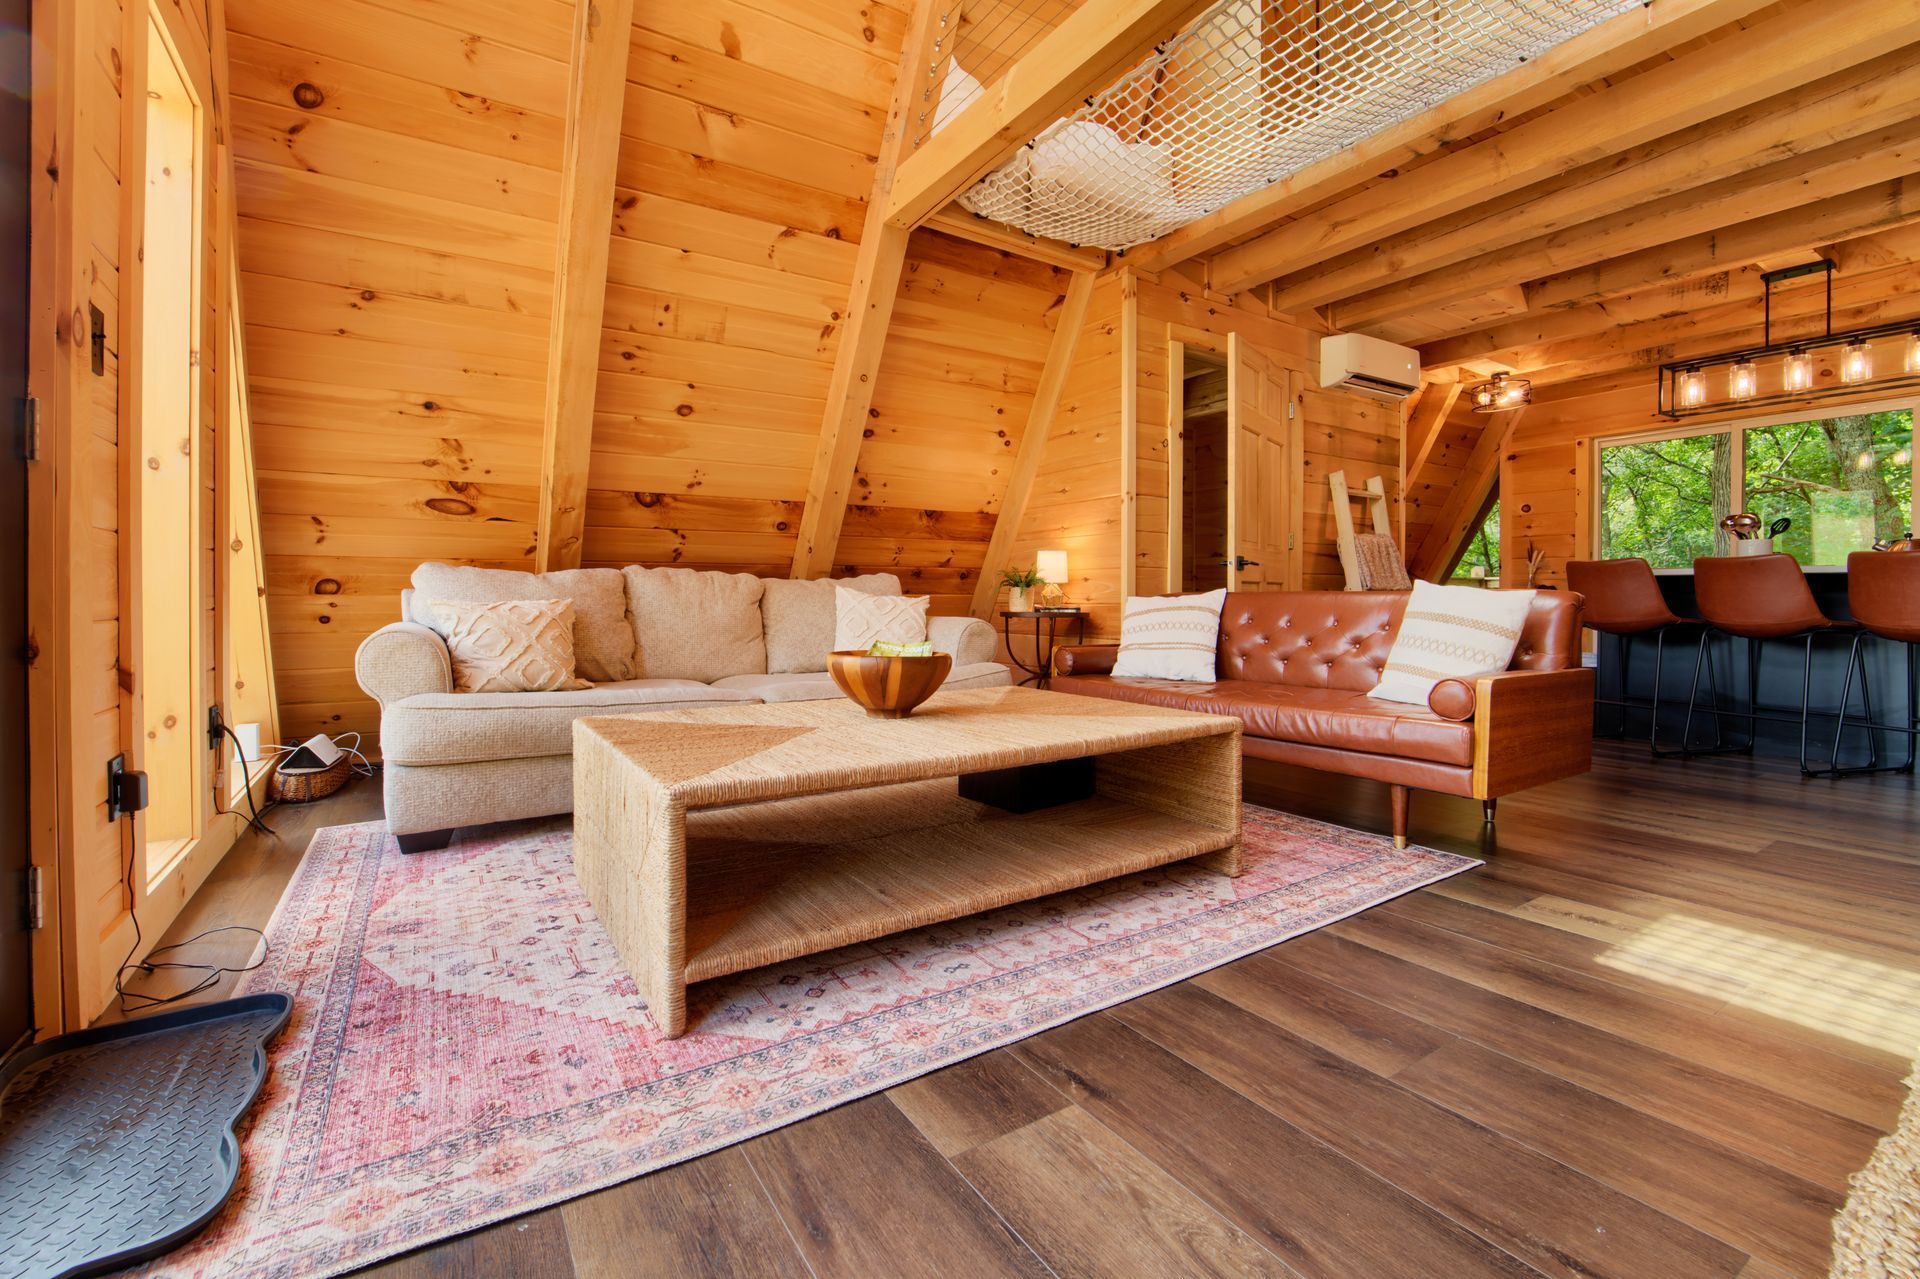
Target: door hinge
(36, 900)
(30, 428)
(1292, 411)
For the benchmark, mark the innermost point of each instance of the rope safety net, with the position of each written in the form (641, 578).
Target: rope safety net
(1250, 93)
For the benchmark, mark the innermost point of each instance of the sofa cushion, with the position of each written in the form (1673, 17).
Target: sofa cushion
(861, 620)
(1450, 631)
(817, 687)
(1341, 719)
(689, 624)
(602, 636)
(465, 728)
(1170, 636)
(510, 646)
(798, 616)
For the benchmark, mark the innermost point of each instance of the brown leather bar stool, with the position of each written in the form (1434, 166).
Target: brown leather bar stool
(1623, 600)
(1883, 593)
(1756, 598)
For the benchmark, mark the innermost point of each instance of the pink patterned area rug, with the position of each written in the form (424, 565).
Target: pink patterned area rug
(466, 1046)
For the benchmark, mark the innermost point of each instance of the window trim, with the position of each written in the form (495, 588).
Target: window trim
(1738, 427)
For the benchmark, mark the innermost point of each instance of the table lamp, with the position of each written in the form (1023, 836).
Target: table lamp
(1052, 568)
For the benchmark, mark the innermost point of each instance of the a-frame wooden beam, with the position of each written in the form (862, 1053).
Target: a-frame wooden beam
(876, 282)
(1774, 55)
(1033, 443)
(596, 88)
(1455, 523)
(957, 222)
(1083, 55)
(1608, 48)
(1425, 427)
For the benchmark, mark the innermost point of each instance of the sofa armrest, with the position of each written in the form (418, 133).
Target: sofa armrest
(968, 638)
(1085, 659)
(1530, 727)
(401, 659)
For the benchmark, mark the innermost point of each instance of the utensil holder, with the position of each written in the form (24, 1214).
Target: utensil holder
(1753, 546)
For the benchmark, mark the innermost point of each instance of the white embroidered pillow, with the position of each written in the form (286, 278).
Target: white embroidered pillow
(510, 646)
(1170, 637)
(1451, 632)
(860, 619)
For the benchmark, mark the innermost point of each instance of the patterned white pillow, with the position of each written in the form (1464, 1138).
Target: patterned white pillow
(1170, 636)
(510, 646)
(1451, 632)
(859, 619)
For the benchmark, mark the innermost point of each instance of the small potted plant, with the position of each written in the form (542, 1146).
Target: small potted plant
(1020, 583)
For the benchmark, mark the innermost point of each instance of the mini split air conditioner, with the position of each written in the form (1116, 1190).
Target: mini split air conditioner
(1371, 366)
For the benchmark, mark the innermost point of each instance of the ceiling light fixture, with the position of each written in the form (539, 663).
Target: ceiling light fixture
(1794, 371)
(1500, 393)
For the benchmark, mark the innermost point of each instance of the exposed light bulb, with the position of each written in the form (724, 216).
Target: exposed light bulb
(1856, 361)
(1798, 371)
(1865, 461)
(1692, 385)
(1913, 351)
(1743, 379)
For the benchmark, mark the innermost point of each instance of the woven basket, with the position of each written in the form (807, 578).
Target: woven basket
(302, 785)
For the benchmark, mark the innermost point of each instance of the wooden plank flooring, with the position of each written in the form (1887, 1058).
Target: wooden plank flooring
(1651, 1038)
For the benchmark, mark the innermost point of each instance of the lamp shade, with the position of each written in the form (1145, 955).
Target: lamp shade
(1051, 566)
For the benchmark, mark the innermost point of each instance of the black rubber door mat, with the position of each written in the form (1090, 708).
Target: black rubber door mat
(117, 1143)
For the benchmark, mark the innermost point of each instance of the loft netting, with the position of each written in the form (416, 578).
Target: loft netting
(1252, 92)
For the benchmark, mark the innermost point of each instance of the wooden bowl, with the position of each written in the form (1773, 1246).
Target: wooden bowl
(889, 687)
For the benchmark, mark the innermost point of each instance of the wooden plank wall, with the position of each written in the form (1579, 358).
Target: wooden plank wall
(1076, 502)
(969, 339)
(398, 171)
(398, 188)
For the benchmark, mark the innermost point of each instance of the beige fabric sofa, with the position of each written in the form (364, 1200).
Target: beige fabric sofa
(462, 759)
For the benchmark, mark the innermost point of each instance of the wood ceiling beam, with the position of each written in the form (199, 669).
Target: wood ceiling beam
(596, 86)
(1454, 524)
(1520, 343)
(1631, 351)
(1797, 312)
(1857, 101)
(1607, 49)
(1426, 425)
(1033, 443)
(1770, 57)
(870, 302)
(1881, 156)
(1100, 41)
(1875, 208)
(960, 224)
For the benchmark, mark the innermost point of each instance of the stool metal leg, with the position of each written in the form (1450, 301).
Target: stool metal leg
(1753, 694)
(1659, 658)
(1873, 727)
(1806, 697)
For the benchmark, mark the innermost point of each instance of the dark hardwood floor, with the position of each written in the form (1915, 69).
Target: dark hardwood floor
(1651, 1037)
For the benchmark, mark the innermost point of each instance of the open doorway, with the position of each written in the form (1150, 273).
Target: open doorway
(1206, 481)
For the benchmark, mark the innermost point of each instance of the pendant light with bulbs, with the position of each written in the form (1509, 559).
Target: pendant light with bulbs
(1795, 371)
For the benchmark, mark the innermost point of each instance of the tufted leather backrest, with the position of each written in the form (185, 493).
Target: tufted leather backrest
(1340, 639)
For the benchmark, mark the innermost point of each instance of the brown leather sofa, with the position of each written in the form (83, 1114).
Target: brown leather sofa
(1295, 666)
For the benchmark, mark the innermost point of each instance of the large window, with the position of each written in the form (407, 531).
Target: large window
(1842, 481)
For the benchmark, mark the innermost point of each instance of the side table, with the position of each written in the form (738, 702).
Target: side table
(1046, 637)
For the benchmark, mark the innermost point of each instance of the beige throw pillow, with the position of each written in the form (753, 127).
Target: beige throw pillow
(860, 619)
(510, 646)
(1170, 636)
(689, 624)
(800, 618)
(1451, 632)
(602, 636)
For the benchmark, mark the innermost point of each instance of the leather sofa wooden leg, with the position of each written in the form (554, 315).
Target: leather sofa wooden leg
(1401, 802)
(1487, 808)
(425, 841)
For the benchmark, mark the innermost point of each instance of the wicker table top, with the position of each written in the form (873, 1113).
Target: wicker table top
(711, 756)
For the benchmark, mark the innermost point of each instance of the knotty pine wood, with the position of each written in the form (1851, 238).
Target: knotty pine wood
(1474, 1076)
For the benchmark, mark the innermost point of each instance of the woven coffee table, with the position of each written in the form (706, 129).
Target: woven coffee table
(720, 839)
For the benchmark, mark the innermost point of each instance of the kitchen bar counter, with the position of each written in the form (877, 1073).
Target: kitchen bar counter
(1779, 684)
